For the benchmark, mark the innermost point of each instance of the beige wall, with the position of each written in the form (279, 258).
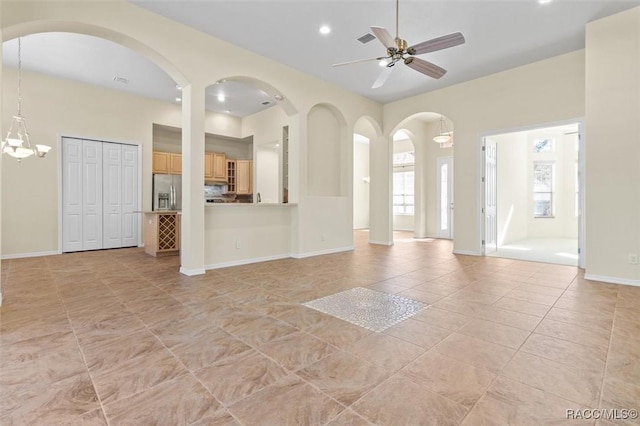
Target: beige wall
(613, 147)
(360, 186)
(547, 91)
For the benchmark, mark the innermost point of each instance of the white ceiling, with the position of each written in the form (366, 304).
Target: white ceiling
(500, 34)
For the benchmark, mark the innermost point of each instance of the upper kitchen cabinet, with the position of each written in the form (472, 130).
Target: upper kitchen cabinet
(167, 163)
(219, 166)
(244, 177)
(215, 166)
(160, 162)
(176, 164)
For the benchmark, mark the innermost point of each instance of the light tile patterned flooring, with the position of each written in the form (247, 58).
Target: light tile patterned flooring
(120, 338)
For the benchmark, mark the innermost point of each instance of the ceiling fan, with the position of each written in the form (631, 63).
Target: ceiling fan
(398, 50)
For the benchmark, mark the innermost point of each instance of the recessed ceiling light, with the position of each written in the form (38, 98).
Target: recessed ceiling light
(277, 145)
(178, 87)
(325, 29)
(227, 111)
(178, 99)
(544, 1)
(221, 97)
(278, 97)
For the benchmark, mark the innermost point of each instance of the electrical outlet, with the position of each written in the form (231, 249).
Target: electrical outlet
(633, 258)
(237, 244)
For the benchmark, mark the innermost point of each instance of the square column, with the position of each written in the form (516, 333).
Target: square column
(192, 228)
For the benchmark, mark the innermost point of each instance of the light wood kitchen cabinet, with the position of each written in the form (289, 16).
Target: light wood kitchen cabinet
(160, 162)
(215, 166)
(176, 164)
(219, 166)
(162, 233)
(244, 177)
(231, 176)
(167, 163)
(208, 165)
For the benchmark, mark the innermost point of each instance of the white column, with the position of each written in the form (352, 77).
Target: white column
(381, 219)
(192, 221)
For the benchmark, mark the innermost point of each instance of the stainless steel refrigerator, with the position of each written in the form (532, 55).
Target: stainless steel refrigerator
(167, 192)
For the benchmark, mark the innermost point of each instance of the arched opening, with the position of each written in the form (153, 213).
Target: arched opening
(257, 164)
(59, 105)
(326, 152)
(433, 190)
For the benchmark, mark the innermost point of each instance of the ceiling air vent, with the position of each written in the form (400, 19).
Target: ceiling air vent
(120, 80)
(266, 103)
(366, 38)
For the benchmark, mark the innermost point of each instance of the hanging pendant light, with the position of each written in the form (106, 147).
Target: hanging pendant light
(444, 135)
(17, 144)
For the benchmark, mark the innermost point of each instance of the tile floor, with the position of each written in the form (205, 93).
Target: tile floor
(120, 338)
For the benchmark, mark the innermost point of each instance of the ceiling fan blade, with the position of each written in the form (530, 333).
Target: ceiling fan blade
(357, 61)
(385, 38)
(384, 75)
(435, 44)
(427, 68)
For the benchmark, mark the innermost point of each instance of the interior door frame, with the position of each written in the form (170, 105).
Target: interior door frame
(59, 138)
(480, 172)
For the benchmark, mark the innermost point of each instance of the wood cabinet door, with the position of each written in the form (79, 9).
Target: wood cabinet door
(244, 176)
(176, 164)
(219, 166)
(231, 175)
(208, 165)
(160, 162)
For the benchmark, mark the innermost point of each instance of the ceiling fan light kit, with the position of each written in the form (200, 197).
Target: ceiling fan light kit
(397, 49)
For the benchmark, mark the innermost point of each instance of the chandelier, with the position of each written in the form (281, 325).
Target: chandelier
(17, 144)
(444, 135)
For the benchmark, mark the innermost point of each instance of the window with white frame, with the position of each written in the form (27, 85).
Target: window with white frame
(543, 189)
(403, 183)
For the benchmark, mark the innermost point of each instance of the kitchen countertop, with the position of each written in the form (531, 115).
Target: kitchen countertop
(250, 204)
(160, 211)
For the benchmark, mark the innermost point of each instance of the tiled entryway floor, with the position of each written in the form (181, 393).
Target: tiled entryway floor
(121, 338)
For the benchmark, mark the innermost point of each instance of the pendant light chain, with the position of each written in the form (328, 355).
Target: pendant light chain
(19, 77)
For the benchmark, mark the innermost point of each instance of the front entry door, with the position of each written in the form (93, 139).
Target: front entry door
(444, 180)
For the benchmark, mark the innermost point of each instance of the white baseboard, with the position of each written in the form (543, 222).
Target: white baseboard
(381, 243)
(321, 252)
(612, 280)
(467, 252)
(246, 261)
(23, 255)
(403, 229)
(191, 272)
(0, 298)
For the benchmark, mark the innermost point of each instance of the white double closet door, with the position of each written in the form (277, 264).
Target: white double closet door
(99, 195)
